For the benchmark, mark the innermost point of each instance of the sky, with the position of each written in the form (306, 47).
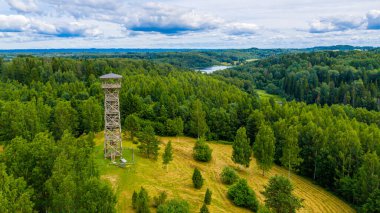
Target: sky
(44, 24)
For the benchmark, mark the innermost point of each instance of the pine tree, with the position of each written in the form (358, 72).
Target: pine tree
(142, 204)
(264, 147)
(134, 199)
(197, 179)
(241, 153)
(168, 154)
(290, 150)
(208, 195)
(204, 209)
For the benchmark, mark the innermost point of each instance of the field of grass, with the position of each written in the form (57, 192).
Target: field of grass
(1, 148)
(264, 95)
(177, 181)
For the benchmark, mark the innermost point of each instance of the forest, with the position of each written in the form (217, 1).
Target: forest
(327, 77)
(50, 108)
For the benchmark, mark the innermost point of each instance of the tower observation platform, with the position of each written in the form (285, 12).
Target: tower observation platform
(111, 84)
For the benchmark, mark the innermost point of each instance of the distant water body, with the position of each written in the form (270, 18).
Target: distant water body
(214, 68)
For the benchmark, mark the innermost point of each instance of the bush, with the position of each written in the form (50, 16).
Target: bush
(197, 179)
(134, 199)
(279, 197)
(228, 175)
(204, 209)
(160, 199)
(242, 195)
(174, 206)
(142, 202)
(202, 151)
(208, 195)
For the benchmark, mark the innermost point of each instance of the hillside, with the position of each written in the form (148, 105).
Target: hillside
(177, 181)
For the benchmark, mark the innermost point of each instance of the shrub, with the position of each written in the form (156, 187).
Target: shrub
(204, 209)
(160, 199)
(263, 209)
(197, 179)
(142, 201)
(208, 195)
(279, 197)
(134, 199)
(242, 195)
(174, 206)
(228, 175)
(202, 151)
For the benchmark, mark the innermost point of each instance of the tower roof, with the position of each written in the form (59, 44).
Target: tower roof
(110, 76)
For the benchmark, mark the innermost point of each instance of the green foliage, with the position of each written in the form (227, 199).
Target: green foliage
(198, 125)
(367, 178)
(91, 117)
(204, 209)
(208, 195)
(242, 195)
(63, 174)
(263, 209)
(264, 147)
(167, 156)
(134, 199)
(15, 196)
(174, 127)
(132, 124)
(160, 199)
(290, 151)
(255, 119)
(373, 202)
(33, 161)
(229, 175)
(65, 118)
(279, 197)
(323, 77)
(149, 144)
(202, 151)
(197, 179)
(142, 202)
(242, 152)
(174, 206)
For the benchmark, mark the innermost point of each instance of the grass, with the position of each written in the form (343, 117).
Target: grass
(264, 95)
(177, 181)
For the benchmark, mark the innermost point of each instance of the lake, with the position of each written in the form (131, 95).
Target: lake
(214, 68)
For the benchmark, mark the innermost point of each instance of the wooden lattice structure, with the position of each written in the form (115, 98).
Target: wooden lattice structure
(111, 84)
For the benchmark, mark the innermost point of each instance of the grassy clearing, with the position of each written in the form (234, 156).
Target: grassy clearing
(264, 95)
(177, 181)
(1, 148)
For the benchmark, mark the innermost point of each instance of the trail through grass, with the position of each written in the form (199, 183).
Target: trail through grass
(177, 181)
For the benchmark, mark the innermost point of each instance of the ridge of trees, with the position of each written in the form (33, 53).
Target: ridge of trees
(326, 77)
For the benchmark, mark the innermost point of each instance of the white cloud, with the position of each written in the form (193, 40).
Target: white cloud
(241, 29)
(13, 23)
(331, 24)
(23, 5)
(20, 23)
(156, 17)
(373, 18)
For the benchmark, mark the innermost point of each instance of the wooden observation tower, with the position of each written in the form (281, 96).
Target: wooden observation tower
(111, 84)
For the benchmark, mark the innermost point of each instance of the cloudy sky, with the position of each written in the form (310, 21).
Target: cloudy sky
(187, 23)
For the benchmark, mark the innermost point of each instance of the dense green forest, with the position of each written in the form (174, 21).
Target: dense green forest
(49, 108)
(329, 77)
(184, 58)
